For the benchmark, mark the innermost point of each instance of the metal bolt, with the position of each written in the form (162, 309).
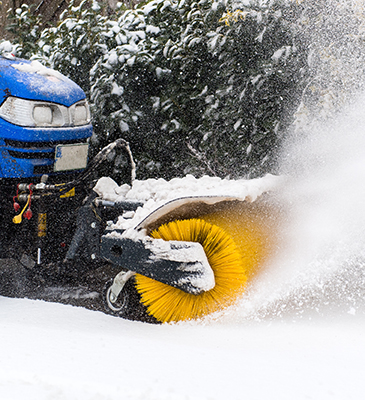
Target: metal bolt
(93, 225)
(93, 256)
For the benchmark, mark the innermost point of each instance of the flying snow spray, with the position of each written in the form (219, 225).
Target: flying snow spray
(320, 267)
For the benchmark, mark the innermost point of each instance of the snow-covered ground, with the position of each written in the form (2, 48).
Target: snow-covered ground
(57, 352)
(297, 333)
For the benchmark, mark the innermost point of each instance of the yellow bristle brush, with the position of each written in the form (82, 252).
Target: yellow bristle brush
(236, 244)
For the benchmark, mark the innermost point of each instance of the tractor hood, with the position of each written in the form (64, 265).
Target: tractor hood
(31, 80)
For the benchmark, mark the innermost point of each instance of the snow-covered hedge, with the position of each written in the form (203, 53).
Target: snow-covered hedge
(202, 86)
(192, 88)
(194, 94)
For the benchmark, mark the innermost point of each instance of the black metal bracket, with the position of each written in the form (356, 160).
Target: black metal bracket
(134, 256)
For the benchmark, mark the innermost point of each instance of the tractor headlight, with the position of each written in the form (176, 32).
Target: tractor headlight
(80, 113)
(33, 113)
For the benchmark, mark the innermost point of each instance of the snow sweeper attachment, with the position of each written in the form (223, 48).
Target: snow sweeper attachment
(191, 256)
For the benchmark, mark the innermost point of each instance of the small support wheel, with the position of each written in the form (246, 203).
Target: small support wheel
(116, 299)
(120, 304)
(122, 299)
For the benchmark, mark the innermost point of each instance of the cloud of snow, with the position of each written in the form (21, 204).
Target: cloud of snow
(320, 269)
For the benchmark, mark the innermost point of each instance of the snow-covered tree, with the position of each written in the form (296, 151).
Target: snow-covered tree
(259, 79)
(196, 90)
(193, 87)
(25, 26)
(77, 41)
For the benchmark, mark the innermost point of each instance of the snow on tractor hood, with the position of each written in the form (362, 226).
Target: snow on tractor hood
(31, 80)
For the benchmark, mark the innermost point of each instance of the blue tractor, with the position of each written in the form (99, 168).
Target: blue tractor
(45, 127)
(52, 222)
(57, 228)
(44, 132)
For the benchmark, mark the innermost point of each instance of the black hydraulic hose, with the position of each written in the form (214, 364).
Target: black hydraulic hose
(98, 160)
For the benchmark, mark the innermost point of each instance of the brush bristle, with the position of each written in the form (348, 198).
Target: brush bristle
(169, 304)
(255, 228)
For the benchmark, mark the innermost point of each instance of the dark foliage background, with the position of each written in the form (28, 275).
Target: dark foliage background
(197, 87)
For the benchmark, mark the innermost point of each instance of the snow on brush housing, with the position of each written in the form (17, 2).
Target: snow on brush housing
(155, 193)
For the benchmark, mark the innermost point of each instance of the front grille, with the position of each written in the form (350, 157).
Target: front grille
(33, 150)
(31, 155)
(36, 153)
(39, 145)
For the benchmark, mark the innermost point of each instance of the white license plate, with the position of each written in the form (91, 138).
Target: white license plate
(69, 157)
